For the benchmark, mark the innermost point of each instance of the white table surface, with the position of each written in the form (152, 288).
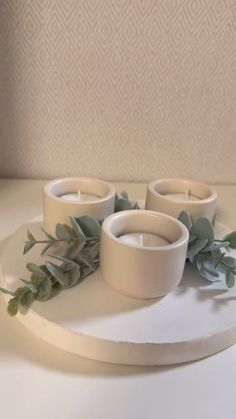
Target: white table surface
(39, 381)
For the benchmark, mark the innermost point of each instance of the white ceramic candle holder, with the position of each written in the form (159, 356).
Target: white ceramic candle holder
(143, 272)
(57, 209)
(171, 196)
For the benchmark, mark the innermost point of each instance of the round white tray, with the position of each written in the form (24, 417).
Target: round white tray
(92, 320)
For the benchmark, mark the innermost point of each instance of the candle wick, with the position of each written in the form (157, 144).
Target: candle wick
(79, 195)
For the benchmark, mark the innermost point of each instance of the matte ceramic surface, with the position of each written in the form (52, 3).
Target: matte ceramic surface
(91, 320)
(58, 210)
(157, 198)
(147, 272)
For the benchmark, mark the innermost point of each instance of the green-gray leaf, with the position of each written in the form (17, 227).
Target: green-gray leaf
(44, 291)
(206, 268)
(62, 232)
(13, 306)
(229, 279)
(74, 276)
(36, 270)
(9, 292)
(30, 285)
(195, 247)
(30, 236)
(230, 261)
(203, 229)
(58, 273)
(89, 225)
(27, 298)
(71, 250)
(78, 232)
(28, 245)
(68, 261)
(122, 205)
(231, 238)
(88, 262)
(185, 218)
(94, 250)
(218, 245)
(124, 195)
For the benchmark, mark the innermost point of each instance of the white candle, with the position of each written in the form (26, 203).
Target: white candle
(182, 197)
(80, 197)
(143, 239)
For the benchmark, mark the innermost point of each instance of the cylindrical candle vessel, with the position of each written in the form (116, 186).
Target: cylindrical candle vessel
(74, 196)
(137, 269)
(171, 196)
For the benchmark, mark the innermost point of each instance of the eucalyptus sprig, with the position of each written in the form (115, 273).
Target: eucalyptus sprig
(209, 255)
(77, 257)
(71, 238)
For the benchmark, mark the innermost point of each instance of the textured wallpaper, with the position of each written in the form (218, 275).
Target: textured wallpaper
(119, 89)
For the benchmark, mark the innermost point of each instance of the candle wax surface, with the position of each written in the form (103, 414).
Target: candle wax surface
(182, 197)
(143, 240)
(80, 197)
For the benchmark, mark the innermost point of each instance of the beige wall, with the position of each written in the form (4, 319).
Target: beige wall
(119, 89)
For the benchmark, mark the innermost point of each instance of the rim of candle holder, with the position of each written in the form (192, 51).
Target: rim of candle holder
(212, 193)
(183, 234)
(48, 189)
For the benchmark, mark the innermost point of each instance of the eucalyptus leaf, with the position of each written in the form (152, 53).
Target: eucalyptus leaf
(71, 250)
(28, 246)
(122, 204)
(216, 252)
(218, 245)
(62, 232)
(57, 272)
(206, 267)
(203, 229)
(85, 272)
(30, 236)
(124, 195)
(229, 279)
(88, 262)
(196, 246)
(44, 291)
(191, 238)
(94, 250)
(8, 292)
(13, 306)
(74, 276)
(36, 270)
(78, 231)
(231, 239)
(65, 260)
(30, 285)
(185, 218)
(27, 298)
(89, 226)
(230, 261)
(20, 291)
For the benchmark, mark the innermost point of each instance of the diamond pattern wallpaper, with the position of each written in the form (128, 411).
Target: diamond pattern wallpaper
(118, 89)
